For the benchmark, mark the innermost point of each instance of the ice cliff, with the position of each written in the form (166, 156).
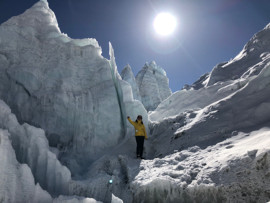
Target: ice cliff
(63, 85)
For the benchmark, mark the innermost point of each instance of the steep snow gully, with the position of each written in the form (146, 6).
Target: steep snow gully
(64, 135)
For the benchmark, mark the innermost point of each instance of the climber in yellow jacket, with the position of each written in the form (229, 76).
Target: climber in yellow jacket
(140, 134)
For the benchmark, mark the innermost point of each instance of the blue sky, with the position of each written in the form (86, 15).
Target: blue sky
(209, 31)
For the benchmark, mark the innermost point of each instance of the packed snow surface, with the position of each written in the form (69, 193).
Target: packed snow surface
(235, 170)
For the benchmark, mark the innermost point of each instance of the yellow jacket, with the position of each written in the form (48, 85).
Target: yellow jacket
(139, 128)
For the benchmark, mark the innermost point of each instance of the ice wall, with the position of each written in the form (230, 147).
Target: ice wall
(62, 85)
(153, 85)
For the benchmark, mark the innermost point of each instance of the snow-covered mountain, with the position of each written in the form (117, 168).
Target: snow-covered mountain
(216, 110)
(153, 85)
(64, 135)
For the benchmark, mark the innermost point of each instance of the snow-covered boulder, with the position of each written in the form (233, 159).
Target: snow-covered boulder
(128, 76)
(63, 85)
(153, 85)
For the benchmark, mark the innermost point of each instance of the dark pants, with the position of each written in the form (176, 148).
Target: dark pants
(140, 141)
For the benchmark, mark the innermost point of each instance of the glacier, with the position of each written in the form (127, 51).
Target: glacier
(64, 135)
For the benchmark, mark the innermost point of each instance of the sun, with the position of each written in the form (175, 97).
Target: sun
(165, 24)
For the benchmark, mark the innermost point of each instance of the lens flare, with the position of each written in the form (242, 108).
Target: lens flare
(165, 24)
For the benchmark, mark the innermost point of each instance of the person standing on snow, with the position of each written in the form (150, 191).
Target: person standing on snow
(140, 134)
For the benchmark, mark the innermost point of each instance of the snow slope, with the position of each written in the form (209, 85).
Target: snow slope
(213, 137)
(246, 109)
(252, 54)
(235, 170)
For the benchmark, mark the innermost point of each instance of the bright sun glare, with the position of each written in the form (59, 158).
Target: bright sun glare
(165, 24)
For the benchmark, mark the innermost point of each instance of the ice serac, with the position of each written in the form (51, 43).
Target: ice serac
(119, 92)
(128, 76)
(29, 170)
(16, 180)
(31, 148)
(256, 49)
(153, 85)
(63, 85)
(128, 106)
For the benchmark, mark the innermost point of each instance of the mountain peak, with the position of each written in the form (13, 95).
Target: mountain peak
(267, 26)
